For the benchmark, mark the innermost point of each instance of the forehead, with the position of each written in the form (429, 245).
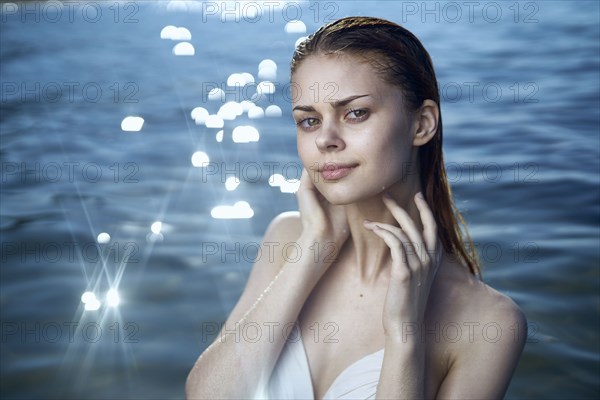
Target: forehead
(327, 78)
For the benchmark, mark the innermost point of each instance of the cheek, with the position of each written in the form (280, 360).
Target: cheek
(303, 147)
(389, 157)
(389, 146)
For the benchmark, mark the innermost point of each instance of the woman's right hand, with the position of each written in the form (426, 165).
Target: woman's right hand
(322, 222)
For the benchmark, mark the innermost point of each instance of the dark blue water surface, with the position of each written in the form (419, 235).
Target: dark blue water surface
(520, 88)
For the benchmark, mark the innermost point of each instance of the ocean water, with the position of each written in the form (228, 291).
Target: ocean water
(520, 88)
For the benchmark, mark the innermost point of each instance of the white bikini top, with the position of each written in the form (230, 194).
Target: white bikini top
(291, 378)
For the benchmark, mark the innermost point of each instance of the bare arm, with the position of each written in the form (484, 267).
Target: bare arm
(233, 366)
(238, 369)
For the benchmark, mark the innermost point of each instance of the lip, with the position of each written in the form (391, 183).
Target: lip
(334, 171)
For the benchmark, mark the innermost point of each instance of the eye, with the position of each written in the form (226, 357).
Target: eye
(357, 115)
(308, 124)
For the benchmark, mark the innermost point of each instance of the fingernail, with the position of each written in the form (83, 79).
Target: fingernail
(387, 195)
(420, 195)
(366, 221)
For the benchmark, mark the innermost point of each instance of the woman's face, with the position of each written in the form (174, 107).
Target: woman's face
(354, 136)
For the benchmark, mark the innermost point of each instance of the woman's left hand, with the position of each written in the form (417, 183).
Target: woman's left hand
(415, 261)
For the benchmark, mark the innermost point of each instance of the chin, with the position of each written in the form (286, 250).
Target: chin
(344, 197)
(336, 197)
(340, 201)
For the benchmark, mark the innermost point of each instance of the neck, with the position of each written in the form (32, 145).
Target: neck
(369, 256)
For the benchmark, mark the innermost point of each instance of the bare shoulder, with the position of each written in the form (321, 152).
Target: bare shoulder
(493, 304)
(501, 307)
(493, 331)
(286, 226)
(474, 300)
(496, 314)
(283, 229)
(508, 318)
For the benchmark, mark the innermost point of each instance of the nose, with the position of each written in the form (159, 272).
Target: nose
(329, 139)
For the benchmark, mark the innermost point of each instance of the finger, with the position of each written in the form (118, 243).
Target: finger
(305, 182)
(396, 248)
(394, 229)
(429, 224)
(406, 223)
(411, 255)
(307, 193)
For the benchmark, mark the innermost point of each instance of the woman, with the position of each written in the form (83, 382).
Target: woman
(385, 297)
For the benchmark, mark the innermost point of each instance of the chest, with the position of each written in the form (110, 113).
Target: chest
(341, 324)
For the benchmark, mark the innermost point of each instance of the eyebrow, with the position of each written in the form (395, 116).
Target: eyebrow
(333, 104)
